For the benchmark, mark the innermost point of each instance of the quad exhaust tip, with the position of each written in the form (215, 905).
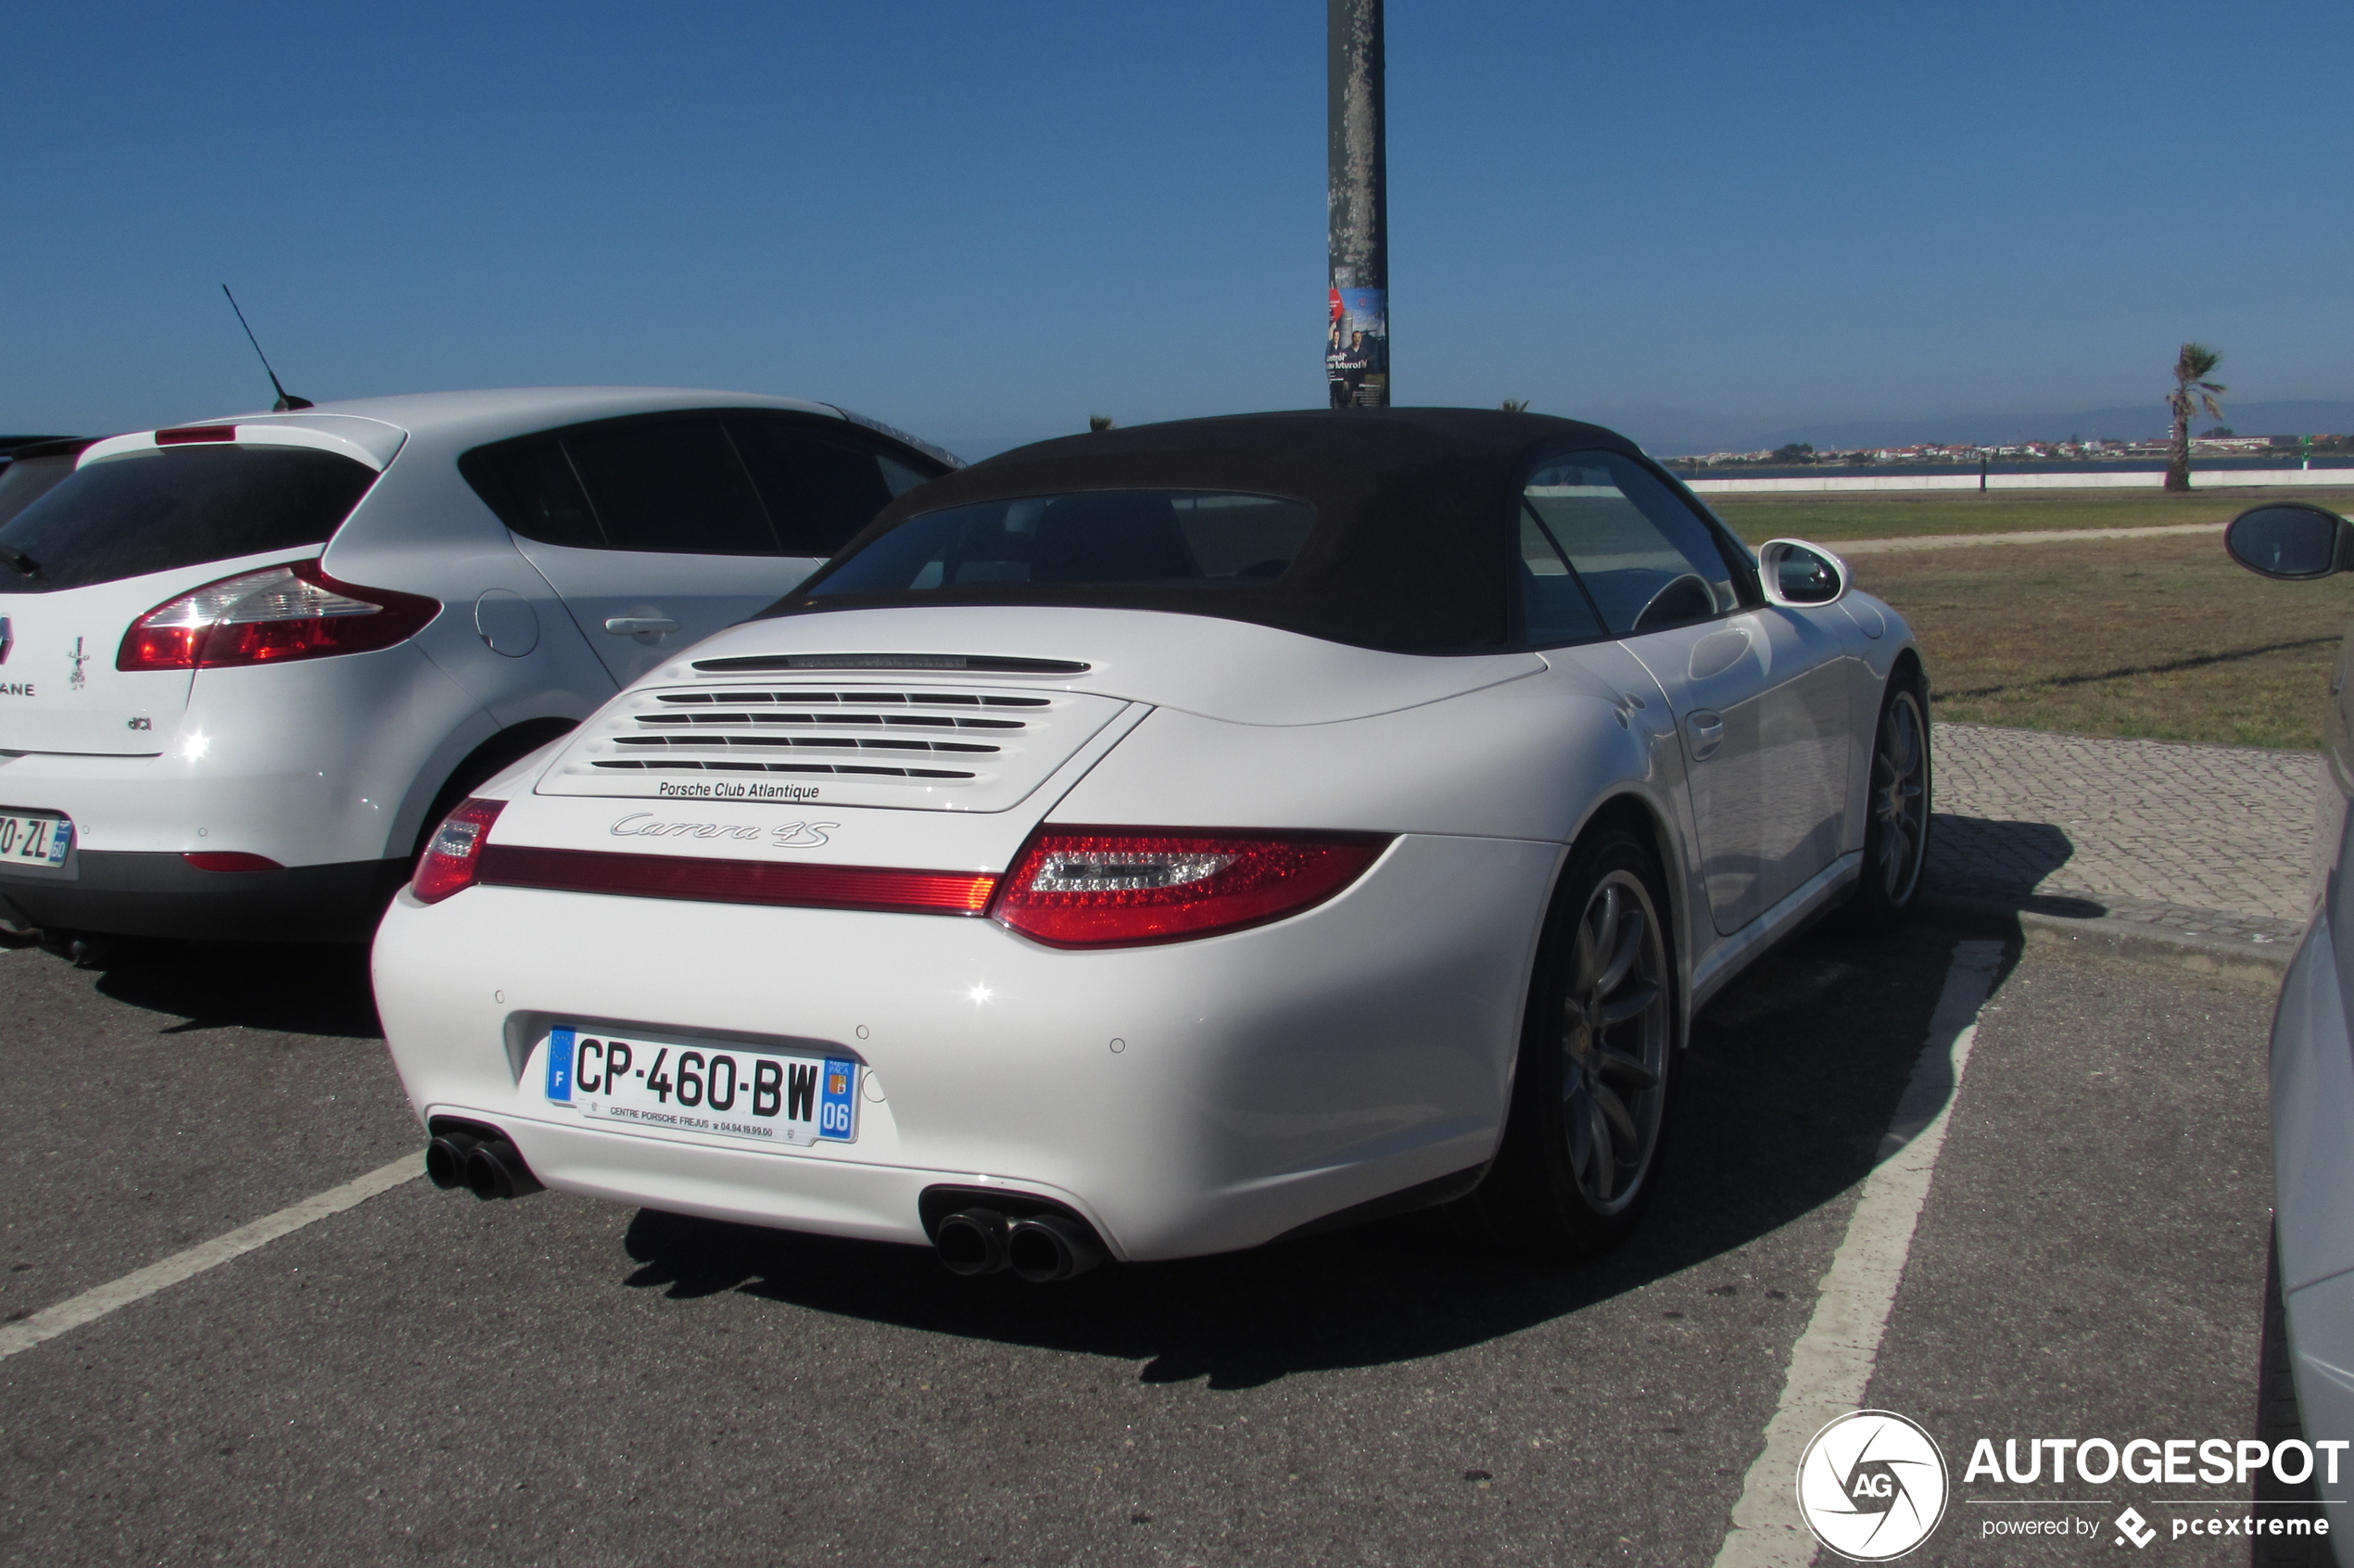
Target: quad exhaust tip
(1041, 1248)
(480, 1160)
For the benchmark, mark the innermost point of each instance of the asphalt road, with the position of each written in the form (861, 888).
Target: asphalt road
(426, 1378)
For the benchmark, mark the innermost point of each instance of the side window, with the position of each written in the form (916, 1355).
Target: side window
(1648, 562)
(532, 487)
(820, 486)
(673, 486)
(1554, 608)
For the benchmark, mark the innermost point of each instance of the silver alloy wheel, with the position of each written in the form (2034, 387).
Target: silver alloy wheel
(1900, 797)
(1615, 1041)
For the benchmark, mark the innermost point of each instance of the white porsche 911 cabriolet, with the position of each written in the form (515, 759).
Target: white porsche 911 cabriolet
(1160, 841)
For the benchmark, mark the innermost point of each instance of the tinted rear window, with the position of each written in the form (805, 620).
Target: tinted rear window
(156, 511)
(28, 479)
(1124, 537)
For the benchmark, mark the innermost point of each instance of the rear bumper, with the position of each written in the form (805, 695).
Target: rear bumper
(162, 895)
(1189, 1099)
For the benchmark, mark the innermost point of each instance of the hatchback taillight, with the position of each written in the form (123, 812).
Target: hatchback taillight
(265, 618)
(1124, 887)
(454, 856)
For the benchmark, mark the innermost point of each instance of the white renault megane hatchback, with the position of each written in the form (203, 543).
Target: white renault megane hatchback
(244, 663)
(1160, 841)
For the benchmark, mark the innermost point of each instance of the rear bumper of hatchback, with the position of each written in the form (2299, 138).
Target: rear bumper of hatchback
(1188, 1098)
(162, 895)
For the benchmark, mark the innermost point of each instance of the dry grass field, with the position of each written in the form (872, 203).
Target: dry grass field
(2161, 637)
(1832, 519)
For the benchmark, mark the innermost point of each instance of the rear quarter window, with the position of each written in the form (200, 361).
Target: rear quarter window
(728, 482)
(821, 486)
(161, 509)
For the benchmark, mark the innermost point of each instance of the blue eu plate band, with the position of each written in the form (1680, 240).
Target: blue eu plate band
(560, 1065)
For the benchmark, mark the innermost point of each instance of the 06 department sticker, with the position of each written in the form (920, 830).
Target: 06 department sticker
(1872, 1485)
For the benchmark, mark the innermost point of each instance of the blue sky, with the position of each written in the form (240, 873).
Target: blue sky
(985, 223)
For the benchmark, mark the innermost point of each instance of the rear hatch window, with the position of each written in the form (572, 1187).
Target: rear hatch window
(36, 470)
(157, 511)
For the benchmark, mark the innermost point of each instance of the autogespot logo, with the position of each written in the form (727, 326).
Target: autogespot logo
(1872, 1485)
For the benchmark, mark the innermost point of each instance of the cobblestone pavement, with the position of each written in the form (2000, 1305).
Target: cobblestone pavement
(2206, 838)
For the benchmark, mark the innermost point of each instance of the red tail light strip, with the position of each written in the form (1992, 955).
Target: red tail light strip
(1133, 887)
(737, 881)
(189, 434)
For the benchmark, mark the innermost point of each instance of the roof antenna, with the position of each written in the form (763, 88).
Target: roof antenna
(287, 401)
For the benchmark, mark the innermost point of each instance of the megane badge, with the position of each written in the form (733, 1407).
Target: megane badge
(7, 640)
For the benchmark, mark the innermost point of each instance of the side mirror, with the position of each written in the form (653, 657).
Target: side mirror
(2290, 540)
(1798, 575)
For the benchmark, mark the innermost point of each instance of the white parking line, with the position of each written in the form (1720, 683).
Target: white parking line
(97, 1302)
(1832, 1364)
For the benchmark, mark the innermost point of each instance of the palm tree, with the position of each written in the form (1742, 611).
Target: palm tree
(2192, 392)
(1514, 405)
(1098, 423)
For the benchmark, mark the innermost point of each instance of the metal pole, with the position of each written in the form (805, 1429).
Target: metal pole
(1357, 335)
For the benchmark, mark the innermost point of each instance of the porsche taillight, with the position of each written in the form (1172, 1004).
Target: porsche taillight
(453, 858)
(1126, 887)
(266, 617)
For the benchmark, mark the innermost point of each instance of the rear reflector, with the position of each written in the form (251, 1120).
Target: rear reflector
(189, 435)
(230, 860)
(737, 881)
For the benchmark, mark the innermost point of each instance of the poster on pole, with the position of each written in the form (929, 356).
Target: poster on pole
(1357, 348)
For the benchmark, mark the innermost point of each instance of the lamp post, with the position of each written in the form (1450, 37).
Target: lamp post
(1357, 333)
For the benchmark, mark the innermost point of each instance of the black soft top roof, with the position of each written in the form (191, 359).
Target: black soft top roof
(1411, 542)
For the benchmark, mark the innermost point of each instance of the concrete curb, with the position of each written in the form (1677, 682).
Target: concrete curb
(2235, 959)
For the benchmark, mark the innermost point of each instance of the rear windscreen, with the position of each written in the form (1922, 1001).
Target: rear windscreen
(1108, 536)
(28, 479)
(156, 511)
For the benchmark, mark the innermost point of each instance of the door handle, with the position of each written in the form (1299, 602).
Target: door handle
(1704, 731)
(630, 626)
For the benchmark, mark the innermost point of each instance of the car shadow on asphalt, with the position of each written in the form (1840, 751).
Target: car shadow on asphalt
(1782, 1102)
(308, 988)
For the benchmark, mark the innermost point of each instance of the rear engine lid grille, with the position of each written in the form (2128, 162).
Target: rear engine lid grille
(956, 748)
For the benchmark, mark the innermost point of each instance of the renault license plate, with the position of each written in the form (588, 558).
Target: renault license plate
(728, 1090)
(34, 841)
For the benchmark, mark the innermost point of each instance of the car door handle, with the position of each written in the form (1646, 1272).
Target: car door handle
(630, 626)
(1704, 731)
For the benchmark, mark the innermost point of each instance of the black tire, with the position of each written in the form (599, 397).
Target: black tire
(2277, 1418)
(1896, 807)
(1597, 1046)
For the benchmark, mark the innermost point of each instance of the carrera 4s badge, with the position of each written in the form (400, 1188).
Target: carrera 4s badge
(779, 835)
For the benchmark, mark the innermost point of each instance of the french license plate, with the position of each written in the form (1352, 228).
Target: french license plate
(34, 841)
(665, 1086)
